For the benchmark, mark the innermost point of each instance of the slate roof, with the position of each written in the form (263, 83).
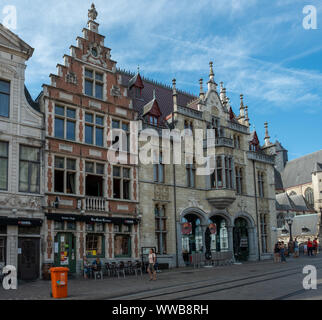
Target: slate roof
(309, 221)
(163, 95)
(284, 202)
(31, 102)
(299, 171)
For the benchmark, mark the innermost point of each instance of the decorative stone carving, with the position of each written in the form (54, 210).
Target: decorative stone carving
(21, 202)
(161, 193)
(116, 91)
(92, 13)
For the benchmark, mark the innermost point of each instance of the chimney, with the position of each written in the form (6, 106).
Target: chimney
(201, 94)
(267, 142)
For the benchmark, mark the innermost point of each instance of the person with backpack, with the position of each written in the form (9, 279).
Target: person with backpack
(152, 265)
(282, 252)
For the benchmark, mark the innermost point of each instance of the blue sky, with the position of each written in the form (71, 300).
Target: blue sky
(259, 48)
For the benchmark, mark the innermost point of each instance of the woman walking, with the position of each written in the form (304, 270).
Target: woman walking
(151, 268)
(277, 253)
(296, 249)
(282, 252)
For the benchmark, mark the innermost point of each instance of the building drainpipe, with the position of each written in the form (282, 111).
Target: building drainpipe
(258, 243)
(175, 201)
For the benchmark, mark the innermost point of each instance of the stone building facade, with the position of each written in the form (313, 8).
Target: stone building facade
(180, 209)
(92, 199)
(21, 174)
(90, 204)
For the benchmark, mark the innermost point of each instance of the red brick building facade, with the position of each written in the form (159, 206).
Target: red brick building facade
(91, 205)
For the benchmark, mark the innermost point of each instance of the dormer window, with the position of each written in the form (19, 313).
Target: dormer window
(153, 120)
(138, 93)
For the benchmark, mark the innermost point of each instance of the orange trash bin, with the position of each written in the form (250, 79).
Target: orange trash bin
(59, 282)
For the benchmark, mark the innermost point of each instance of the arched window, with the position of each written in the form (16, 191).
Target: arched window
(280, 220)
(309, 197)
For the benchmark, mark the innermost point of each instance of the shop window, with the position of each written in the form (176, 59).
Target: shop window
(121, 183)
(65, 173)
(99, 227)
(4, 98)
(59, 225)
(3, 165)
(94, 84)
(3, 241)
(3, 229)
(29, 169)
(90, 227)
(161, 229)
(94, 245)
(122, 245)
(65, 123)
(263, 222)
(71, 225)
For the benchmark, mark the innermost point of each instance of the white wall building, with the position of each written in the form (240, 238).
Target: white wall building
(21, 148)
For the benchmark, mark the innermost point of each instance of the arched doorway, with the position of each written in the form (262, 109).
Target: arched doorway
(192, 235)
(216, 235)
(241, 239)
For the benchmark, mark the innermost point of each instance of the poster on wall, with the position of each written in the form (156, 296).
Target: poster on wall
(212, 228)
(243, 242)
(186, 228)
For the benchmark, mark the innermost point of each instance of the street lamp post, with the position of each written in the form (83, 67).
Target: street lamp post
(289, 220)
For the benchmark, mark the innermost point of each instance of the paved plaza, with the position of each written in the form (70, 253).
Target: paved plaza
(252, 280)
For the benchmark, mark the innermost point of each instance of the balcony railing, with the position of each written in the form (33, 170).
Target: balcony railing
(220, 142)
(237, 127)
(260, 157)
(95, 204)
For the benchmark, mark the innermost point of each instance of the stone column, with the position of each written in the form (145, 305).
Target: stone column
(230, 239)
(179, 245)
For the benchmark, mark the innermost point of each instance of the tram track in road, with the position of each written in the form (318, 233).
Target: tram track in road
(155, 293)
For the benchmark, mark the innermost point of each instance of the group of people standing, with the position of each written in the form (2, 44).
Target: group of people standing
(310, 248)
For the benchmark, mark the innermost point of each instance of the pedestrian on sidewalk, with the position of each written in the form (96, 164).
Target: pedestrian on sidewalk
(296, 249)
(305, 248)
(86, 267)
(309, 247)
(282, 252)
(277, 252)
(151, 267)
(315, 246)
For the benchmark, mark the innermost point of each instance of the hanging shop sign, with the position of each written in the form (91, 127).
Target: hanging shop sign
(212, 228)
(186, 228)
(20, 222)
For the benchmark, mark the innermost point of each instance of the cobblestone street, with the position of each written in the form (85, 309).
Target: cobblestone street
(257, 280)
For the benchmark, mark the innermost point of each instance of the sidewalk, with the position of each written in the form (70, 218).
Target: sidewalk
(112, 287)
